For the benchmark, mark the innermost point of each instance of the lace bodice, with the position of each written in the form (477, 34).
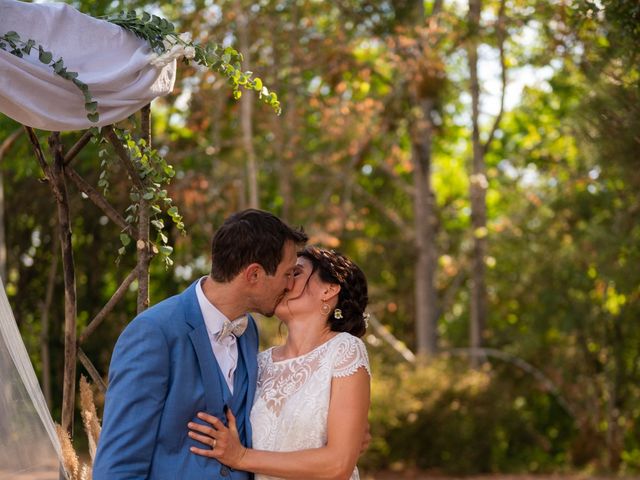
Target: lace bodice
(292, 399)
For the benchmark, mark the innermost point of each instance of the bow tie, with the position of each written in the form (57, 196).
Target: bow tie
(236, 328)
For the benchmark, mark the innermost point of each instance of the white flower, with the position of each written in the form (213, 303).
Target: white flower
(185, 37)
(189, 52)
(176, 51)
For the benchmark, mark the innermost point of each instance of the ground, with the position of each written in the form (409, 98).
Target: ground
(424, 476)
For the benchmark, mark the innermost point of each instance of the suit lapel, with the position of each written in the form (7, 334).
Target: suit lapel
(206, 359)
(208, 369)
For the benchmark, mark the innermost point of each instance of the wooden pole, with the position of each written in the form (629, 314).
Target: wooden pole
(142, 245)
(59, 187)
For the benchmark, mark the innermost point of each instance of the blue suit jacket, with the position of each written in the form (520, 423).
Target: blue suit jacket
(163, 371)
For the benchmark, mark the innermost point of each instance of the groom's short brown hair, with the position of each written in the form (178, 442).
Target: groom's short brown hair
(250, 236)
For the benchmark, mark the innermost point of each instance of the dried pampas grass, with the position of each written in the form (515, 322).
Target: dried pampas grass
(69, 455)
(89, 416)
(76, 471)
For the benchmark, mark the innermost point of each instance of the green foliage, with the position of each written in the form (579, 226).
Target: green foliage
(163, 39)
(155, 174)
(12, 43)
(448, 418)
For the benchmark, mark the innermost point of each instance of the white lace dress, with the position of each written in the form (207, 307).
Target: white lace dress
(292, 399)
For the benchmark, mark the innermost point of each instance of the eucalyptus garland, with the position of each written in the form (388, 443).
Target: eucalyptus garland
(155, 173)
(12, 43)
(153, 169)
(161, 36)
(163, 39)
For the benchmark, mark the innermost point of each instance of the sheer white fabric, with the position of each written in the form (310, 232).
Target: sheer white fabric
(29, 448)
(291, 405)
(114, 64)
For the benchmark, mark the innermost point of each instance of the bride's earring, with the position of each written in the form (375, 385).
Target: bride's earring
(325, 308)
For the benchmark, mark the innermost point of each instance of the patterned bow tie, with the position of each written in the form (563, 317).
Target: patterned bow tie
(236, 328)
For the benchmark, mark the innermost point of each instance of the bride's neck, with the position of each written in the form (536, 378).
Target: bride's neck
(303, 338)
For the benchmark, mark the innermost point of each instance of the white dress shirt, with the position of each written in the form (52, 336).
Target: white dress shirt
(225, 350)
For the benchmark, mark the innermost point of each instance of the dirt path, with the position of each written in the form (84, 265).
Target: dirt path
(424, 476)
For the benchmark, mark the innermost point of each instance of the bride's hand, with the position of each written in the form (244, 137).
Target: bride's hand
(224, 443)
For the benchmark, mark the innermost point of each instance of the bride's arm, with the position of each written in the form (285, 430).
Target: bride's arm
(347, 422)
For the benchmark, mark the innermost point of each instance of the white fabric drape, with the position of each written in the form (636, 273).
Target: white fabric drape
(114, 64)
(29, 447)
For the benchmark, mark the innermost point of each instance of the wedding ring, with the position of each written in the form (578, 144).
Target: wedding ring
(213, 445)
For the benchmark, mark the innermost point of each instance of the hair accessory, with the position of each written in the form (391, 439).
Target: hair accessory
(325, 308)
(337, 314)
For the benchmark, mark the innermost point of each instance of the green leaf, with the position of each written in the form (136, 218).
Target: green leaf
(91, 107)
(159, 224)
(166, 250)
(93, 117)
(173, 211)
(58, 66)
(125, 239)
(44, 56)
(12, 36)
(28, 46)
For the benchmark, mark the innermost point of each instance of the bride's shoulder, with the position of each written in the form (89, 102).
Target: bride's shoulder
(345, 338)
(345, 343)
(349, 354)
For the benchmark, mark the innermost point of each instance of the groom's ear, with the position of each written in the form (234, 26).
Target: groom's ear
(252, 273)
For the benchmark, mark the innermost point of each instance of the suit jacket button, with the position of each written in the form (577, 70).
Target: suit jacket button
(224, 471)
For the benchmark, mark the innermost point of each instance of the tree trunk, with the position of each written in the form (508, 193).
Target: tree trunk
(246, 111)
(425, 223)
(425, 218)
(478, 187)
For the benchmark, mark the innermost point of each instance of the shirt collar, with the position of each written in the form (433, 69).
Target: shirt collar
(213, 318)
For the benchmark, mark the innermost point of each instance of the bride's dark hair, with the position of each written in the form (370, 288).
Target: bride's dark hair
(333, 267)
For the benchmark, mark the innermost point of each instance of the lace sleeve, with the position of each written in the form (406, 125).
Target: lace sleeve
(349, 355)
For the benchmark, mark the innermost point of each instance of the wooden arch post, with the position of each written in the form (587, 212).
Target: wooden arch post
(57, 171)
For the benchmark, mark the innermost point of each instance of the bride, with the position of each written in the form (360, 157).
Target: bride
(310, 410)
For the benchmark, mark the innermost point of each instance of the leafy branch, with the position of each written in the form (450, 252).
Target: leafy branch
(12, 43)
(155, 173)
(167, 44)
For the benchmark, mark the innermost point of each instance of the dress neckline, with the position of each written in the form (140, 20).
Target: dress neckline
(286, 360)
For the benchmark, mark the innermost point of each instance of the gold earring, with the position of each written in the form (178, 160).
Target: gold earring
(325, 308)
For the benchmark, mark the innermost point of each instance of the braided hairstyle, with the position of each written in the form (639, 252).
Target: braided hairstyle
(333, 267)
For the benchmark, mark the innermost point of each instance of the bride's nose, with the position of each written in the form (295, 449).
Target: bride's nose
(290, 282)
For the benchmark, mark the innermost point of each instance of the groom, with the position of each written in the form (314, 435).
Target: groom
(195, 352)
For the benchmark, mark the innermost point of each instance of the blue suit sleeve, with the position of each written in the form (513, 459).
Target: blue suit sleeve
(138, 382)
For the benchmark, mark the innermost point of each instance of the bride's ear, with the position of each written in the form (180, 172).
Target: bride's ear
(331, 290)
